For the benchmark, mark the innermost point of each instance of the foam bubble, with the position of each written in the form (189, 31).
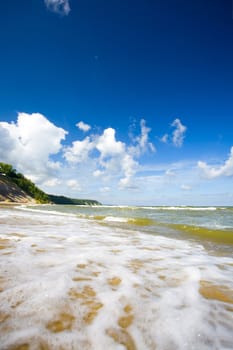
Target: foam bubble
(115, 219)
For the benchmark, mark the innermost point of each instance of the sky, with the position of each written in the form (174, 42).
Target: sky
(126, 102)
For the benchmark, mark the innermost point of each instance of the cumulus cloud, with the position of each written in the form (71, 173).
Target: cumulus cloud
(115, 158)
(212, 172)
(179, 133)
(83, 126)
(6, 142)
(33, 145)
(29, 144)
(110, 157)
(129, 166)
(79, 151)
(107, 144)
(61, 7)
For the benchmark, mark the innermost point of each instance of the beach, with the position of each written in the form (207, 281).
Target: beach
(90, 278)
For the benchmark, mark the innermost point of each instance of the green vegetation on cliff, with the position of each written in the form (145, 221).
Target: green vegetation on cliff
(7, 171)
(26, 185)
(71, 201)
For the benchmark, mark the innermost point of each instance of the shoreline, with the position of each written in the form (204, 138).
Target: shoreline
(12, 204)
(9, 204)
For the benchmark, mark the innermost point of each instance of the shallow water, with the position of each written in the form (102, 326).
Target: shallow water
(115, 278)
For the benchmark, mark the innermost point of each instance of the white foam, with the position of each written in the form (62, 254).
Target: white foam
(115, 219)
(182, 208)
(44, 211)
(67, 281)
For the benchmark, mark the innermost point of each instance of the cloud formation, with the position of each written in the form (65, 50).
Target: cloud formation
(33, 145)
(164, 138)
(74, 184)
(83, 126)
(179, 133)
(107, 144)
(79, 151)
(110, 157)
(177, 136)
(213, 172)
(102, 166)
(142, 143)
(61, 7)
(185, 187)
(29, 144)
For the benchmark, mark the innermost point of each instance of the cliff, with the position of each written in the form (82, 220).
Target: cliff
(10, 192)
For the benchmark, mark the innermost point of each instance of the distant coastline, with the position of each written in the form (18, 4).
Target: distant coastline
(15, 188)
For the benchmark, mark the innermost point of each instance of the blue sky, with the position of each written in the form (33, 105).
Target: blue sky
(126, 102)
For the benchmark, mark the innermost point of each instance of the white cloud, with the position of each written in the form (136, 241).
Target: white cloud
(115, 158)
(110, 158)
(61, 7)
(142, 141)
(29, 144)
(164, 138)
(179, 133)
(52, 182)
(83, 126)
(108, 146)
(101, 165)
(98, 173)
(105, 189)
(212, 172)
(177, 136)
(129, 166)
(6, 142)
(185, 187)
(79, 152)
(73, 184)
(170, 173)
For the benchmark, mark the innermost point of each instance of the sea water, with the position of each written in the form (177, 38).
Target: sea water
(94, 278)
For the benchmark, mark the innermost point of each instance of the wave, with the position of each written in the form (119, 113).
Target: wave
(114, 219)
(216, 235)
(212, 229)
(182, 208)
(178, 207)
(126, 220)
(44, 211)
(109, 206)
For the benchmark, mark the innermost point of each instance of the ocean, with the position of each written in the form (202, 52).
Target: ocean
(116, 277)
